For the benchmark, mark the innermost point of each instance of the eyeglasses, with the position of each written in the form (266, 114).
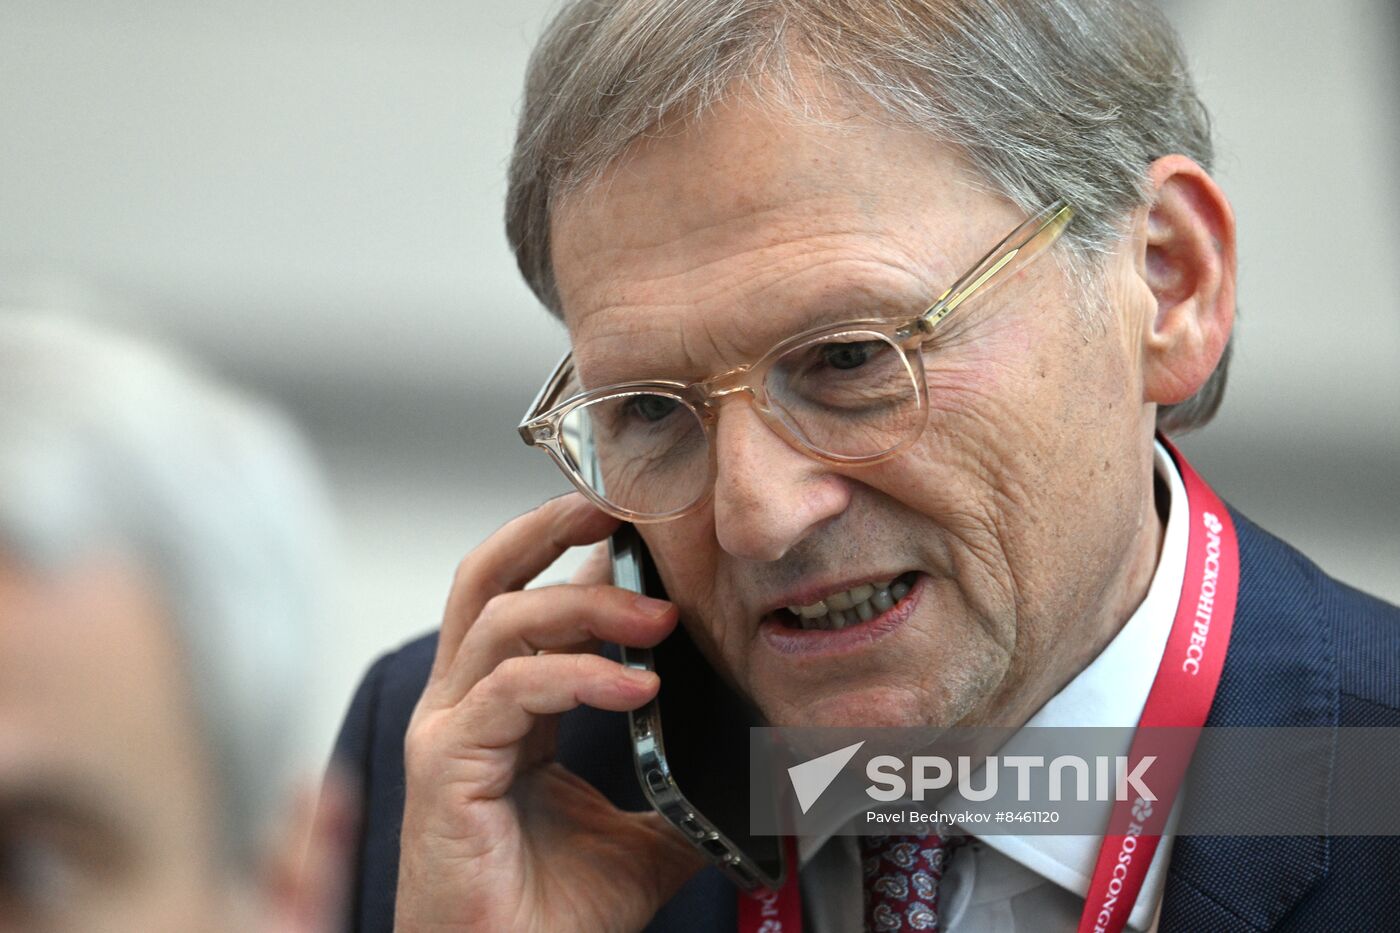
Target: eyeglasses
(850, 394)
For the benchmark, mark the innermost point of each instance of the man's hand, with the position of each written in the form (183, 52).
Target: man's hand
(496, 835)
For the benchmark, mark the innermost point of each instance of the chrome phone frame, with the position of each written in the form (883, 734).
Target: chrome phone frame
(649, 749)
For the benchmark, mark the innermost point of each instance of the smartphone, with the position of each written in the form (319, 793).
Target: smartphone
(690, 744)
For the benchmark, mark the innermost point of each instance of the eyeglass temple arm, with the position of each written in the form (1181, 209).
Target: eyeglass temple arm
(1022, 245)
(546, 396)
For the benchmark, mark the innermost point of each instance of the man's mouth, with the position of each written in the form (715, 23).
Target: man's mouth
(836, 611)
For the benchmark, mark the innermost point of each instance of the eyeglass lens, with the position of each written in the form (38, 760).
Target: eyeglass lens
(848, 395)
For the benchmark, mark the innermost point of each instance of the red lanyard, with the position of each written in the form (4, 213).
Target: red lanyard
(1181, 695)
(777, 911)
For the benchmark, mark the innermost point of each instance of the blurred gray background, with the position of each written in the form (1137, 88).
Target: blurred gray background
(307, 194)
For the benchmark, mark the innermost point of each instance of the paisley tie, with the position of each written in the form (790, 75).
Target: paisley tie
(901, 875)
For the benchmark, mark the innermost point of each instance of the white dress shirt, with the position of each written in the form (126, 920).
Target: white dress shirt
(1004, 883)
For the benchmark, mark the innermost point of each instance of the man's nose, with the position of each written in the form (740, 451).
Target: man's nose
(768, 496)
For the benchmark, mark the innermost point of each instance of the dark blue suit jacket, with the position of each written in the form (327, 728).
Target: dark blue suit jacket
(1305, 651)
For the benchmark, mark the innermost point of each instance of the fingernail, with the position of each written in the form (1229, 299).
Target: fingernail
(640, 677)
(651, 608)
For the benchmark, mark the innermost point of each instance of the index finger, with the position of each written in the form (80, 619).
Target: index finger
(514, 555)
(596, 567)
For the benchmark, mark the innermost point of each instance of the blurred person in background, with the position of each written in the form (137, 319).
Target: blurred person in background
(161, 538)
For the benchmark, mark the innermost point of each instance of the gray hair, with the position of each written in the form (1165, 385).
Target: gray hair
(109, 446)
(1047, 99)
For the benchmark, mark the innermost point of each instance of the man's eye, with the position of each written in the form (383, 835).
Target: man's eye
(848, 355)
(652, 408)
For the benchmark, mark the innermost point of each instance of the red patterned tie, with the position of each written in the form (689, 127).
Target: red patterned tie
(901, 881)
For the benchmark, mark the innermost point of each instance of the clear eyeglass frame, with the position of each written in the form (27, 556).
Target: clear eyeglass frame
(543, 424)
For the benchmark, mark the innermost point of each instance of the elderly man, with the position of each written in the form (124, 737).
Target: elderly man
(894, 465)
(159, 536)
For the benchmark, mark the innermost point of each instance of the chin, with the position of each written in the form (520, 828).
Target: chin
(870, 707)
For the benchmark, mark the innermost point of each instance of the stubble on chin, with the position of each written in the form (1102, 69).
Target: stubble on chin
(940, 696)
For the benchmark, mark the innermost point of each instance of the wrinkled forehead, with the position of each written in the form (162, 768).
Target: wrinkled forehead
(698, 249)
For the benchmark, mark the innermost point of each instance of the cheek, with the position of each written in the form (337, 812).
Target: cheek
(686, 555)
(992, 402)
(1030, 435)
(990, 376)
(986, 422)
(984, 469)
(684, 551)
(1025, 403)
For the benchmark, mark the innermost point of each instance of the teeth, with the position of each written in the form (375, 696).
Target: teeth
(858, 604)
(839, 601)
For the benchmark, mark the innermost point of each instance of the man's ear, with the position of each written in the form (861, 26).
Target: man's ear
(1185, 248)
